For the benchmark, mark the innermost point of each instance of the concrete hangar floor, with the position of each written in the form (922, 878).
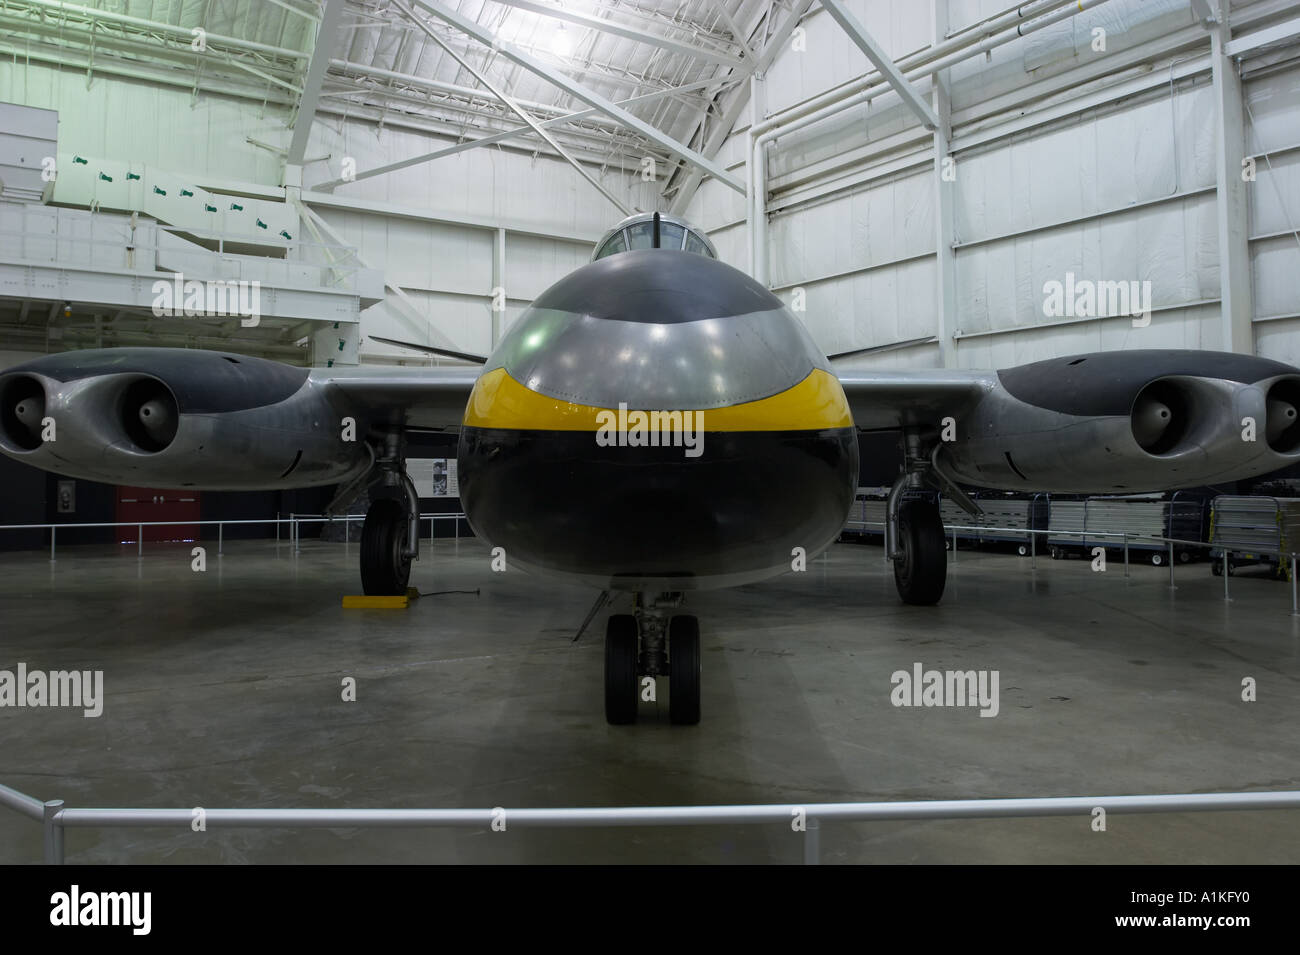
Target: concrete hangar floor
(222, 689)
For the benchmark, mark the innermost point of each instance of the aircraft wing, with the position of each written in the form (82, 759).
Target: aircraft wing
(432, 398)
(889, 400)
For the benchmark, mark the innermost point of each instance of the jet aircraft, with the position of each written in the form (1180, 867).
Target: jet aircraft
(658, 423)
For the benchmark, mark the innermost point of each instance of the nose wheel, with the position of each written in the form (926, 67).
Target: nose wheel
(651, 644)
(621, 687)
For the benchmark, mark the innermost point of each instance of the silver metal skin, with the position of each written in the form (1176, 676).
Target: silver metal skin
(292, 443)
(711, 363)
(1008, 444)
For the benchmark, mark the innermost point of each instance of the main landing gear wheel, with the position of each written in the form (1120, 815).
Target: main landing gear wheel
(384, 571)
(684, 670)
(620, 669)
(921, 565)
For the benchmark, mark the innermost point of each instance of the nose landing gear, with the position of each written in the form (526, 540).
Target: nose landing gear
(647, 644)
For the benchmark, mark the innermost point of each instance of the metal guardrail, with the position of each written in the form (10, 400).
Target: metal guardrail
(1126, 539)
(293, 520)
(55, 817)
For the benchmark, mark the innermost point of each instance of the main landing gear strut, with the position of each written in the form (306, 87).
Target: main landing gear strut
(390, 537)
(652, 642)
(914, 537)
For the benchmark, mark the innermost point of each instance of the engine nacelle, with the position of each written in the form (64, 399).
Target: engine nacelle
(1130, 421)
(162, 417)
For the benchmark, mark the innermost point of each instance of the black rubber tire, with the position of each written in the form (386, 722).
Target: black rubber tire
(921, 569)
(684, 670)
(384, 571)
(1216, 568)
(621, 688)
(1056, 552)
(1184, 556)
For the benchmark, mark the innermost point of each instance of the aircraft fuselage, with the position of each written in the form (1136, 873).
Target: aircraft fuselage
(658, 421)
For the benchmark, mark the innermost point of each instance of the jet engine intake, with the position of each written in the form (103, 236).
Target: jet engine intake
(160, 417)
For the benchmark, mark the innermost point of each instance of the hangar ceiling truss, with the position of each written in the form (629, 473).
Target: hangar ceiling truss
(604, 83)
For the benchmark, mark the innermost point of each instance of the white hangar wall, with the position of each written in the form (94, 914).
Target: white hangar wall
(1066, 160)
(447, 232)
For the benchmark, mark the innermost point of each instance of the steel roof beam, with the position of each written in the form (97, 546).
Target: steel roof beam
(882, 62)
(503, 135)
(515, 108)
(580, 92)
(331, 14)
(628, 33)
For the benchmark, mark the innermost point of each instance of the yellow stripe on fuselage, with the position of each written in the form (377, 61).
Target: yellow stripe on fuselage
(814, 404)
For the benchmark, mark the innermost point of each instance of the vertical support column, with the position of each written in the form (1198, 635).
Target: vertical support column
(756, 176)
(1237, 301)
(945, 183)
(1295, 607)
(812, 842)
(498, 282)
(53, 832)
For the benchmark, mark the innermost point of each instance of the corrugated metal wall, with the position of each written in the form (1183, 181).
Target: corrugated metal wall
(1139, 171)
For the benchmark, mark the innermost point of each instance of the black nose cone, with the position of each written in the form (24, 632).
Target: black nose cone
(658, 285)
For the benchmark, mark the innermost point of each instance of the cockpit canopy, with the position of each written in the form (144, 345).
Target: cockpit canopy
(637, 232)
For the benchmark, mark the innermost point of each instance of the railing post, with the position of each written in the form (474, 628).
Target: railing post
(1033, 551)
(221, 538)
(1171, 566)
(954, 543)
(812, 842)
(1225, 574)
(1126, 554)
(53, 530)
(139, 540)
(53, 832)
(277, 527)
(1295, 610)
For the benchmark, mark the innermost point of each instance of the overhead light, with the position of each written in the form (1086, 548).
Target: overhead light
(561, 42)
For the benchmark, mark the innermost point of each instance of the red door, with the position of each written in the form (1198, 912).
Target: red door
(145, 504)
